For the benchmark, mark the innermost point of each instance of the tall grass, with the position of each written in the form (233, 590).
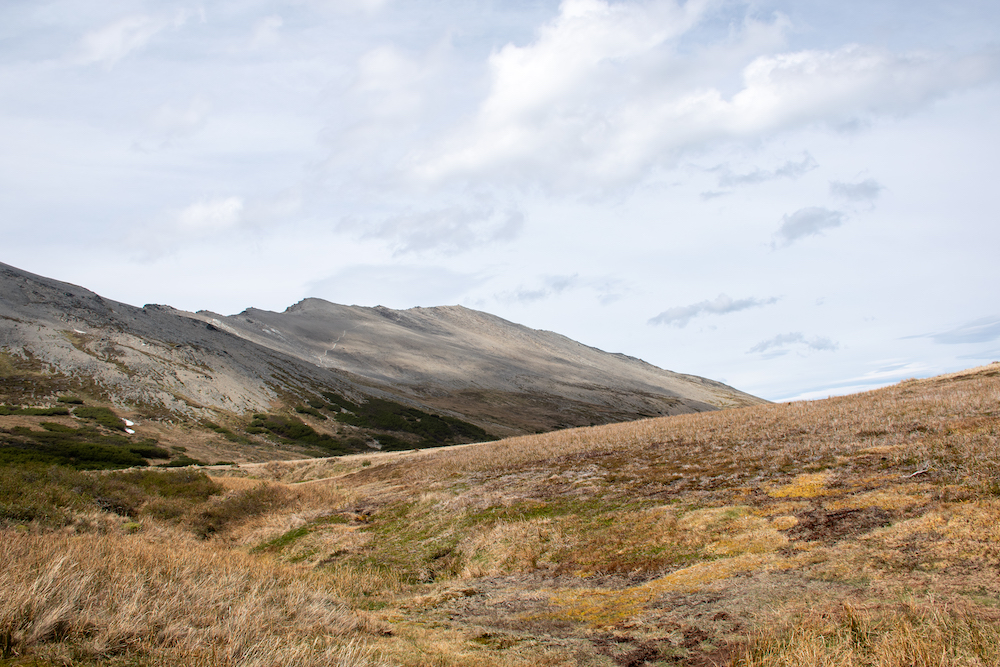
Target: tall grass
(912, 634)
(167, 598)
(611, 531)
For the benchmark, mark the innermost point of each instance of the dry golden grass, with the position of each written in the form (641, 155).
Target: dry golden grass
(907, 634)
(853, 531)
(163, 597)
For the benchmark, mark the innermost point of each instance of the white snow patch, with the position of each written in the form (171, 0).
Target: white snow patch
(128, 423)
(79, 332)
(130, 431)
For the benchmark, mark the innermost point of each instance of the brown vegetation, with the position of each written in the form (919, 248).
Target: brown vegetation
(860, 530)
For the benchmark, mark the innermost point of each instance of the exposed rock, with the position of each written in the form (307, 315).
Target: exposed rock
(505, 377)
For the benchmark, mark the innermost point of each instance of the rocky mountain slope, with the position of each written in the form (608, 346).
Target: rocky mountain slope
(507, 376)
(161, 364)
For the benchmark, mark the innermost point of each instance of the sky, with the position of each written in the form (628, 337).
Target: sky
(789, 197)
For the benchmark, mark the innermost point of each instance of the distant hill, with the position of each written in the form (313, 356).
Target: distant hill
(501, 375)
(360, 376)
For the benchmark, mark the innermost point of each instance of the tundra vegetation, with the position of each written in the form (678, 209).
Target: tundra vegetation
(859, 530)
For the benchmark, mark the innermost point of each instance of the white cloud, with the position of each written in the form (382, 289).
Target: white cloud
(867, 190)
(728, 178)
(550, 286)
(983, 330)
(212, 215)
(604, 94)
(390, 79)
(114, 41)
(450, 229)
(172, 122)
(679, 316)
(395, 286)
(266, 32)
(807, 222)
(782, 344)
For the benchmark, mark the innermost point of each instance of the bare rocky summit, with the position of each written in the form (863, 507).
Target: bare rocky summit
(504, 377)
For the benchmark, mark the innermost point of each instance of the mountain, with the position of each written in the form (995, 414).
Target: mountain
(370, 376)
(504, 376)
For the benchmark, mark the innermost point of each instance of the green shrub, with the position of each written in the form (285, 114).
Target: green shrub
(310, 411)
(32, 412)
(225, 432)
(103, 416)
(433, 430)
(72, 400)
(51, 495)
(238, 507)
(181, 461)
(84, 448)
(339, 402)
(297, 431)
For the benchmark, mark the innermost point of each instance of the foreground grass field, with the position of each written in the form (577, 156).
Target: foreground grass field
(862, 530)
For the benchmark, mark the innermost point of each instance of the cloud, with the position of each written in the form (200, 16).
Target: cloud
(404, 285)
(606, 93)
(450, 229)
(886, 375)
(170, 123)
(728, 178)
(266, 32)
(114, 41)
(551, 286)
(983, 330)
(807, 222)
(866, 191)
(679, 316)
(782, 344)
(212, 215)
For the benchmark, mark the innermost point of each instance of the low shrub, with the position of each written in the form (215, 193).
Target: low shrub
(304, 410)
(53, 495)
(103, 416)
(238, 507)
(32, 412)
(84, 448)
(297, 431)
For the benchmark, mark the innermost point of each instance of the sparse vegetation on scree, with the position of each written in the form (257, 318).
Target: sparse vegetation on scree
(389, 425)
(94, 440)
(862, 530)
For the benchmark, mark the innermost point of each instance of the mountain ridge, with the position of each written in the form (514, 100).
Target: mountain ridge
(159, 363)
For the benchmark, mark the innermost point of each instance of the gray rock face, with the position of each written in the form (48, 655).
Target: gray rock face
(503, 376)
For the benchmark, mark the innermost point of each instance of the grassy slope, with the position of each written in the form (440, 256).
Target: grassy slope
(855, 530)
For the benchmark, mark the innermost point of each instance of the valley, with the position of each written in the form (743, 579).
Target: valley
(853, 530)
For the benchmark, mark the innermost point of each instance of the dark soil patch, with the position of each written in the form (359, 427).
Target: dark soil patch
(829, 526)
(717, 657)
(625, 650)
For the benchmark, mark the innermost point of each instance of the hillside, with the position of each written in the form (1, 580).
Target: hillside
(859, 530)
(318, 379)
(504, 376)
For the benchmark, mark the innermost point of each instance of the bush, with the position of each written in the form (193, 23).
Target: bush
(103, 416)
(310, 411)
(32, 412)
(237, 507)
(297, 431)
(433, 430)
(182, 461)
(51, 495)
(225, 432)
(83, 448)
